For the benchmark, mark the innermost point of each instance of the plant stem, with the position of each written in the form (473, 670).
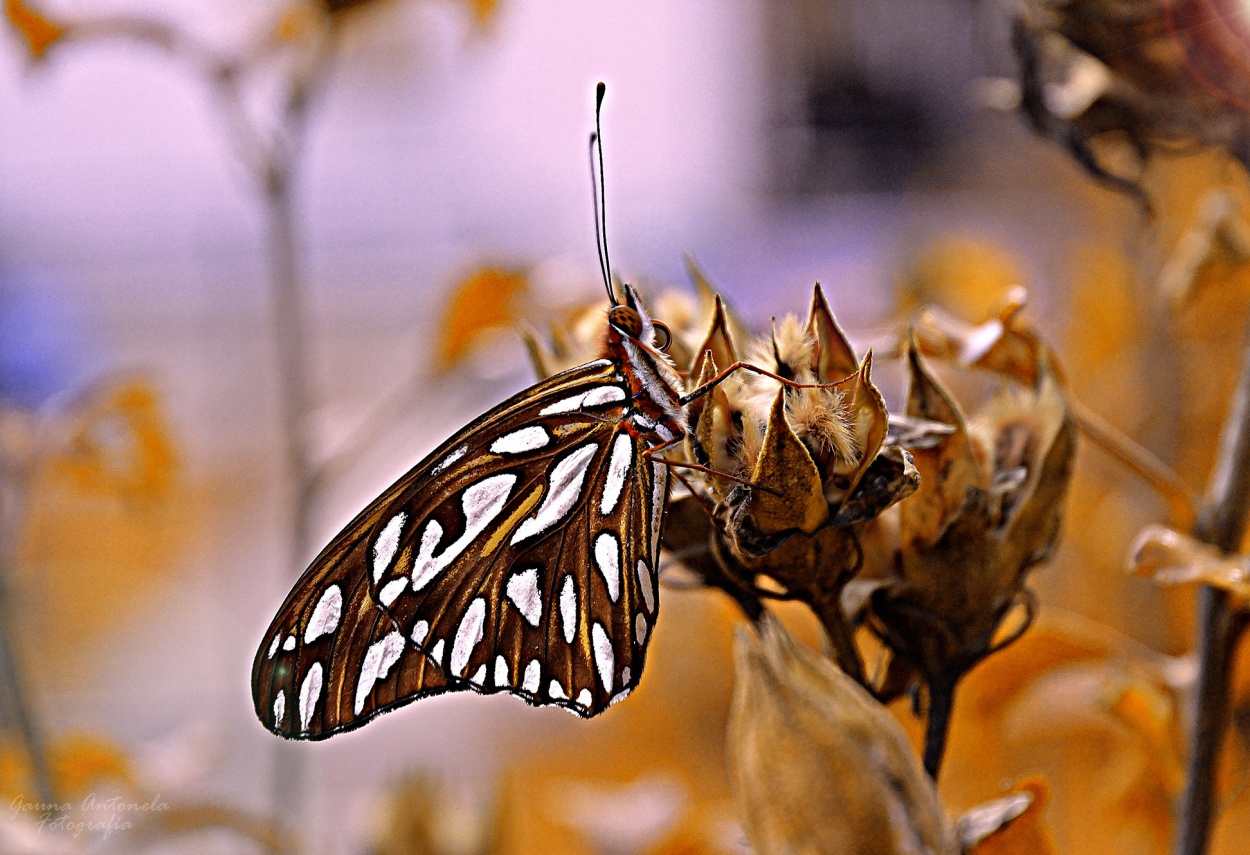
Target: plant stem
(938, 724)
(290, 344)
(1221, 523)
(17, 702)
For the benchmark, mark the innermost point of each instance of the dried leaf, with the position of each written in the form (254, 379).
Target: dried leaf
(1012, 825)
(1006, 344)
(817, 764)
(1172, 558)
(1218, 229)
(486, 300)
(38, 30)
(792, 497)
(835, 360)
(119, 442)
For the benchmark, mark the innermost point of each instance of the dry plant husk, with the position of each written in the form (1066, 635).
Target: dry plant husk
(988, 509)
(819, 766)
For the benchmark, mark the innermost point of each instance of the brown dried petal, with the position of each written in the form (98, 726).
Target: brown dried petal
(1172, 558)
(870, 422)
(891, 477)
(817, 764)
(1006, 344)
(712, 426)
(1036, 510)
(946, 470)
(835, 359)
(785, 467)
(718, 339)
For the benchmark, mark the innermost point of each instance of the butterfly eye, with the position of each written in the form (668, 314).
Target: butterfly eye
(626, 320)
(663, 337)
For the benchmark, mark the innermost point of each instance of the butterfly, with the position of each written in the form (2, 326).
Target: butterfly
(520, 556)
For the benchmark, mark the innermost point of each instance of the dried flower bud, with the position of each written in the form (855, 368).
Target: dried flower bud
(988, 509)
(818, 765)
(816, 462)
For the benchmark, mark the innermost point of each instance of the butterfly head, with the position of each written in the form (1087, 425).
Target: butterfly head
(631, 319)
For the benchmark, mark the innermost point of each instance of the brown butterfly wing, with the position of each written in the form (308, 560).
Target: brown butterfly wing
(356, 637)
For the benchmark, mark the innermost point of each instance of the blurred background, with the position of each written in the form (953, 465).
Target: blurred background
(149, 500)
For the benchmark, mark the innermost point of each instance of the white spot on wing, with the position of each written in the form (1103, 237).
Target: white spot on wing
(273, 646)
(563, 491)
(564, 405)
(620, 696)
(379, 659)
(325, 617)
(450, 459)
(309, 693)
(479, 676)
(420, 631)
(501, 671)
(583, 698)
(468, 636)
(481, 503)
(391, 590)
(522, 590)
(279, 707)
(659, 492)
(625, 675)
(644, 582)
(595, 397)
(525, 439)
(533, 675)
(557, 691)
(386, 544)
(603, 395)
(640, 629)
(568, 608)
(437, 653)
(289, 644)
(608, 560)
(604, 659)
(618, 470)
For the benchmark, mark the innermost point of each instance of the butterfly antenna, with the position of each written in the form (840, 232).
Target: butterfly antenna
(600, 91)
(594, 195)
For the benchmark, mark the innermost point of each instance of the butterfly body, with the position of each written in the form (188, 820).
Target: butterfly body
(519, 557)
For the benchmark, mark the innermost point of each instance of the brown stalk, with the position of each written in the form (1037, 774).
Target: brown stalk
(1221, 523)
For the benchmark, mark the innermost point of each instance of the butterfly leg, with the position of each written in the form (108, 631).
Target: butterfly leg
(653, 452)
(746, 366)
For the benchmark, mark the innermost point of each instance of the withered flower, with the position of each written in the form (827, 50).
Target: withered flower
(813, 464)
(988, 509)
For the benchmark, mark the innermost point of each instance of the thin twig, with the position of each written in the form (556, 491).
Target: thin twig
(1222, 523)
(1149, 468)
(13, 491)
